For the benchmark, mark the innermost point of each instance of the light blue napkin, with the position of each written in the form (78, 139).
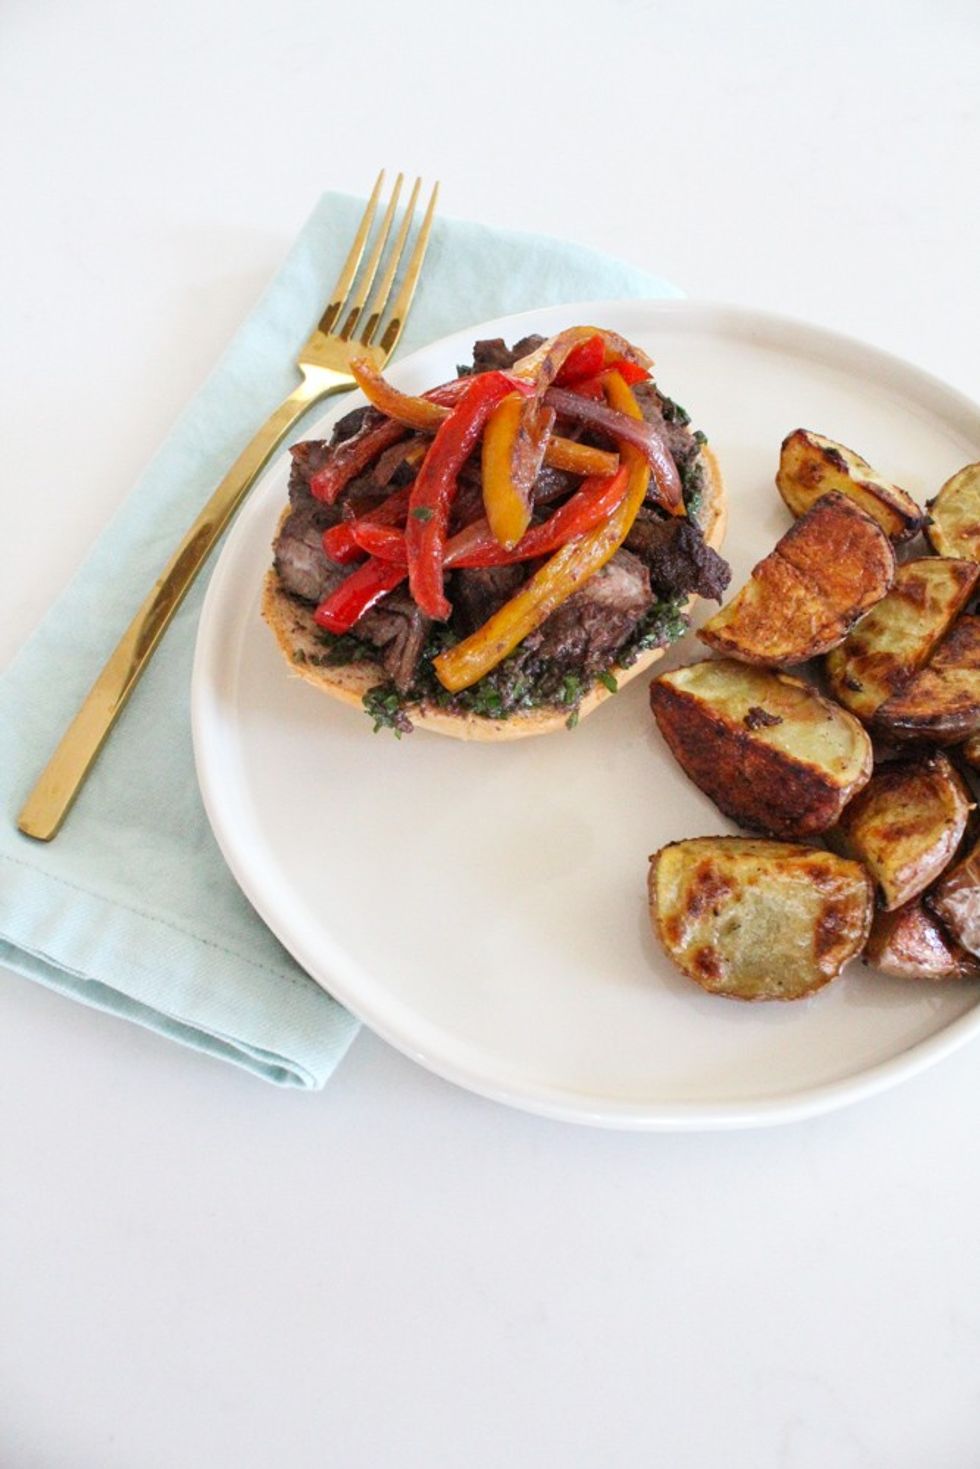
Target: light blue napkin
(132, 909)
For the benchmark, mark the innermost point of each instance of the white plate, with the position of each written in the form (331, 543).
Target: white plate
(483, 907)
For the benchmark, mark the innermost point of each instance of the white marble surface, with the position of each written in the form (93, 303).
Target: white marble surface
(196, 1269)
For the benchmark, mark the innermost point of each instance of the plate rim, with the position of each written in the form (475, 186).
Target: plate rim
(339, 974)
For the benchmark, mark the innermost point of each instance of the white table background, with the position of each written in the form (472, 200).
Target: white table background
(196, 1269)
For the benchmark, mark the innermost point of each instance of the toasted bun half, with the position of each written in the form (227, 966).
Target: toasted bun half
(298, 637)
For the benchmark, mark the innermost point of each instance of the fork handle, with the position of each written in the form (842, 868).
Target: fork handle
(59, 783)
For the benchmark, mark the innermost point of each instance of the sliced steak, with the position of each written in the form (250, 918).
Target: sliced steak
(353, 422)
(675, 553)
(478, 592)
(398, 630)
(307, 458)
(554, 484)
(395, 626)
(390, 468)
(493, 354)
(388, 472)
(298, 554)
(680, 440)
(586, 630)
(467, 503)
(312, 454)
(526, 346)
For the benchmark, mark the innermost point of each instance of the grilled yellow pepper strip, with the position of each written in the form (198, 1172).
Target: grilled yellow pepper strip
(507, 511)
(464, 664)
(506, 495)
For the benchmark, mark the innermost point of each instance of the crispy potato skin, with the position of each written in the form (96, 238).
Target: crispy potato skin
(955, 515)
(971, 752)
(956, 902)
(802, 599)
(811, 465)
(906, 826)
(768, 749)
(910, 944)
(758, 920)
(894, 640)
(942, 701)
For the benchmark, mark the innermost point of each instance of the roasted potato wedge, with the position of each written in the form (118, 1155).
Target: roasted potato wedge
(956, 901)
(880, 655)
(810, 465)
(955, 516)
(801, 600)
(910, 944)
(906, 827)
(758, 920)
(942, 701)
(768, 749)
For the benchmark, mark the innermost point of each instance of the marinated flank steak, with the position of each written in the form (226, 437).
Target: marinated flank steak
(634, 600)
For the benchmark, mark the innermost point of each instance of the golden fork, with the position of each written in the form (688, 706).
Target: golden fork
(323, 363)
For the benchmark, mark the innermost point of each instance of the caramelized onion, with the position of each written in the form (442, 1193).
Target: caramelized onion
(634, 431)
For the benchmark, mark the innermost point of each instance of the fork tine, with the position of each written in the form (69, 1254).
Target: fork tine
(403, 300)
(370, 270)
(339, 294)
(380, 298)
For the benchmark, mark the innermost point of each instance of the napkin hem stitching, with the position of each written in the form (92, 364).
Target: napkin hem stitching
(150, 917)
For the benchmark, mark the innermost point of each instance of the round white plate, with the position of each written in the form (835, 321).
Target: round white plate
(483, 907)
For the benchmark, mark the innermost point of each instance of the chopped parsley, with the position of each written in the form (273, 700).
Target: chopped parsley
(694, 503)
(338, 649)
(571, 689)
(486, 700)
(673, 412)
(692, 486)
(384, 705)
(422, 512)
(520, 682)
(661, 625)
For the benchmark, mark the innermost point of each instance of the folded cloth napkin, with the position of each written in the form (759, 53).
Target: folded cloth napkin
(132, 909)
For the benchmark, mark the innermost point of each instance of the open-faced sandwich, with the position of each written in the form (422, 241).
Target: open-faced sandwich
(493, 558)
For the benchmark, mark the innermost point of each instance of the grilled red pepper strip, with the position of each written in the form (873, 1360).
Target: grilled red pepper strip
(340, 541)
(353, 455)
(548, 358)
(435, 486)
(584, 360)
(384, 541)
(594, 387)
(631, 372)
(476, 544)
(367, 585)
(590, 387)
